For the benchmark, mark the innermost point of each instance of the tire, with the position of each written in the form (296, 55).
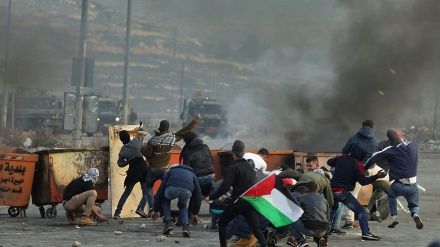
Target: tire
(50, 214)
(13, 211)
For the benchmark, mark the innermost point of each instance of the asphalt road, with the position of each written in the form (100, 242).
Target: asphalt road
(37, 231)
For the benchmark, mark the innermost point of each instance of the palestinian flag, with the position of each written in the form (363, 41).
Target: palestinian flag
(271, 203)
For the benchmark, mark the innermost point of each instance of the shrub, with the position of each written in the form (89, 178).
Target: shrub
(12, 137)
(43, 137)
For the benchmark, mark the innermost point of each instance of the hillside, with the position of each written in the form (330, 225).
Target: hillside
(45, 35)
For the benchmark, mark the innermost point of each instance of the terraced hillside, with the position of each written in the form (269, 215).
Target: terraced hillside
(44, 38)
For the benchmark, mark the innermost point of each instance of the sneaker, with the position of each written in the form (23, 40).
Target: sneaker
(141, 213)
(348, 225)
(291, 241)
(337, 232)
(241, 242)
(213, 227)
(369, 236)
(253, 240)
(394, 222)
(85, 220)
(303, 244)
(419, 223)
(71, 217)
(270, 237)
(150, 211)
(322, 242)
(168, 226)
(116, 216)
(185, 230)
(273, 242)
(376, 216)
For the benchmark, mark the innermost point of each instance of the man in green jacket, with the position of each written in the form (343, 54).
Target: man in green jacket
(303, 178)
(158, 153)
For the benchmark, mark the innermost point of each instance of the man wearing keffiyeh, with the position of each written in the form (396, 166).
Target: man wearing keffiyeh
(79, 198)
(158, 153)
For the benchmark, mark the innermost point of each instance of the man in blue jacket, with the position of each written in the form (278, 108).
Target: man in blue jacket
(403, 161)
(365, 137)
(348, 171)
(180, 183)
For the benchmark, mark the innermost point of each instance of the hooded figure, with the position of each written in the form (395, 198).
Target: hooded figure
(403, 160)
(402, 157)
(394, 137)
(365, 137)
(349, 169)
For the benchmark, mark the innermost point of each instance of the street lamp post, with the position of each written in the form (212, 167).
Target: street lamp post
(80, 86)
(6, 70)
(126, 65)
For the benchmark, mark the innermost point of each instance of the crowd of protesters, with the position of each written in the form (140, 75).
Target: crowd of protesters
(319, 192)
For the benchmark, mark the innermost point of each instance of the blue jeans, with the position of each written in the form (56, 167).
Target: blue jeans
(410, 192)
(152, 176)
(238, 227)
(336, 222)
(203, 181)
(214, 218)
(297, 229)
(182, 196)
(251, 216)
(353, 204)
(126, 194)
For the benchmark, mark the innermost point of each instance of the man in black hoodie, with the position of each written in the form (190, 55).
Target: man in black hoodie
(197, 155)
(348, 171)
(241, 176)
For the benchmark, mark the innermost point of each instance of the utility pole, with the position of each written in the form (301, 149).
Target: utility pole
(126, 66)
(6, 71)
(181, 88)
(77, 131)
(434, 127)
(173, 71)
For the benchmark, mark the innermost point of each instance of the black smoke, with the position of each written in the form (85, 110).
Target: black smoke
(41, 45)
(386, 64)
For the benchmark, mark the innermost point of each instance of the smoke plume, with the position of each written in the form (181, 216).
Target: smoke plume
(40, 47)
(382, 66)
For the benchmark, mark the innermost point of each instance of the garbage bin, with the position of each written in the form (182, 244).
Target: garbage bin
(225, 158)
(17, 168)
(58, 167)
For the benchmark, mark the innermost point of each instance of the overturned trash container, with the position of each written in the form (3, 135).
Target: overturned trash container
(58, 167)
(17, 168)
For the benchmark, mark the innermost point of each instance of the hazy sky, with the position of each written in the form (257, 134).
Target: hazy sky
(314, 69)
